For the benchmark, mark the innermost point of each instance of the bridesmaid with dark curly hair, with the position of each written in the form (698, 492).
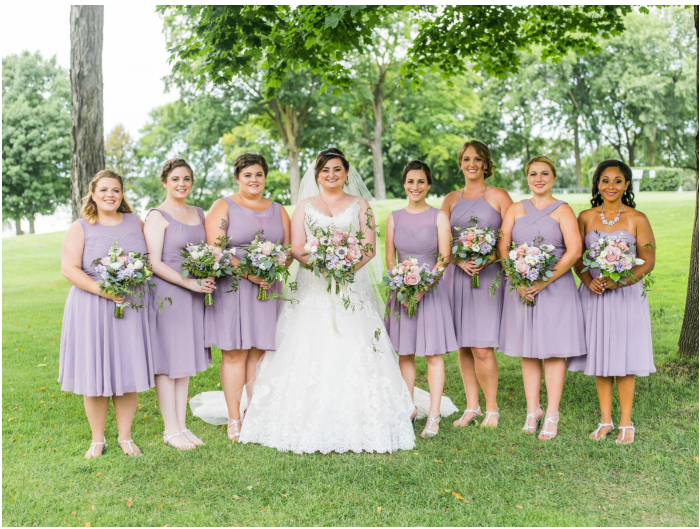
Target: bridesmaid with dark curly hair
(616, 313)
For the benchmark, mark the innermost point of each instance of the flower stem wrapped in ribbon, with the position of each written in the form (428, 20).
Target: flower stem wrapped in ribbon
(476, 243)
(613, 257)
(125, 275)
(207, 260)
(407, 280)
(528, 262)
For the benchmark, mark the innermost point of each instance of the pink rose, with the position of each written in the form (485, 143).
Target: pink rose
(470, 235)
(532, 250)
(337, 239)
(105, 261)
(267, 247)
(407, 264)
(122, 258)
(354, 253)
(522, 266)
(281, 259)
(626, 261)
(352, 240)
(217, 252)
(314, 242)
(415, 269)
(613, 254)
(623, 246)
(412, 279)
(468, 244)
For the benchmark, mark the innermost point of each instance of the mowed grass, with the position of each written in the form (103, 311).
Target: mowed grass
(462, 477)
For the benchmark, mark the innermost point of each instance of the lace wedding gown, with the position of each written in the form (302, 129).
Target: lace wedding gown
(329, 392)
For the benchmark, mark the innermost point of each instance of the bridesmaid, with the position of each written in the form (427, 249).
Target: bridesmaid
(422, 232)
(477, 314)
(238, 323)
(103, 356)
(177, 333)
(552, 329)
(618, 327)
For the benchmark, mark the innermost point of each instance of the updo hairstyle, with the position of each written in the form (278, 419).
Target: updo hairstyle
(483, 151)
(417, 165)
(246, 160)
(327, 155)
(172, 164)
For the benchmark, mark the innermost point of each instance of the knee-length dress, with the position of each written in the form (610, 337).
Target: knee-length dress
(618, 326)
(476, 313)
(430, 331)
(239, 320)
(553, 327)
(177, 333)
(102, 355)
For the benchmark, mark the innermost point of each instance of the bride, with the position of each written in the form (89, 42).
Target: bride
(324, 389)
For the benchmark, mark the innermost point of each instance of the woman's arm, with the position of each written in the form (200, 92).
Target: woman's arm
(646, 250)
(287, 228)
(507, 229)
(216, 225)
(298, 233)
(444, 240)
(389, 248)
(72, 260)
(367, 227)
(594, 285)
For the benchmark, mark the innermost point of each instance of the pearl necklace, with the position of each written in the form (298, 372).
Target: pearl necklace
(609, 222)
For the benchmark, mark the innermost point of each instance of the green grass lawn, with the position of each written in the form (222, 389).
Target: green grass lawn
(462, 477)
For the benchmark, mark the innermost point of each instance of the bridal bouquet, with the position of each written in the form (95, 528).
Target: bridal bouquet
(407, 280)
(265, 260)
(334, 253)
(475, 242)
(526, 263)
(613, 257)
(126, 275)
(207, 260)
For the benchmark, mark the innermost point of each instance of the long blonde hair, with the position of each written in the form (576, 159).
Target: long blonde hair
(88, 211)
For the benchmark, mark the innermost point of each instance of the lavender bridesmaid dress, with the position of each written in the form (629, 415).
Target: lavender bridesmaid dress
(430, 331)
(553, 327)
(177, 333)
(618, 326)
(477, 314)
(239, 320)
(101, 355)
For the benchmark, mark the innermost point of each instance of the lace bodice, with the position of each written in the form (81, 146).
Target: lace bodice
(347, 220)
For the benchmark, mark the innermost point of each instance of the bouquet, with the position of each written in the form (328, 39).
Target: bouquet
(265, 260)
(613, 257)
(408, 279)
(126, 275)
(527, 263)
(475, 242)
(207, 260)
(335, 254)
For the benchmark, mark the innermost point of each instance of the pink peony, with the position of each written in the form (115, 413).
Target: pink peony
(613, 254)
(623, 246)
(415, 269)
(626, 261)
(532, 250)
(217, 252)
(522, 266)
(281, 259)
(337, 239)
(354, 253)
(470, 235)
(352, 240)
(267, 247)
(468, 244)
(122, 258)
(105, 261)
(412, 279)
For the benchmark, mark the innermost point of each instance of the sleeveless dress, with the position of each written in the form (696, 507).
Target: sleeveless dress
(618, 326)
(477, 314)
(239, 320)
(101, 355)
(177, 333)
(430, 331)
(326, 391)
(553, 327)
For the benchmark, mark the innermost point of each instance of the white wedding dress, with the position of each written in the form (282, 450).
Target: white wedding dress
(323, 391)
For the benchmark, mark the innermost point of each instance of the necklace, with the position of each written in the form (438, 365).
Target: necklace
(609, 222)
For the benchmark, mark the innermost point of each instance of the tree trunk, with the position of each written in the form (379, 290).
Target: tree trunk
(294, 179)
(87, 128)
(577, 154)
(31, 224)
(18, 226)
(377, 158)
(688, 341)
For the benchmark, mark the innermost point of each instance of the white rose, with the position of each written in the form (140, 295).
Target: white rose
(307, 248)
(216, 266)
(130, 266)
(414, 261)
(116, 266)
(489, 239)
(512, 254)
(138, 264)
(476, 247)
(314, 249)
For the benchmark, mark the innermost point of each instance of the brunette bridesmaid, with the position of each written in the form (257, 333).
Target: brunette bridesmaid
(102, 356)
(422, 232)
(177, 332)
(476, 313)
(618, 326)
(551, 330)
(238, 323)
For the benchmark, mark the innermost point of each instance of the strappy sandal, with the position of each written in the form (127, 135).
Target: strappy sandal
(477, 413)
(532, 429)
(187, 430)
(624, 431)
(189, 446)
(237, 431)
(602, 425)
(484, 423)
(94, 445)
(130, 442)
(545, 431)
(427, 431)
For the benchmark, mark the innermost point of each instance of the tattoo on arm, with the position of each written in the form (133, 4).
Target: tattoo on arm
(224, 225)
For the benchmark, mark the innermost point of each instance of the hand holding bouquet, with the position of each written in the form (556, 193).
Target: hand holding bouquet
(334, 253)
(476, 243)
(125, 275)
(207, 260)
(527, 263)
(408, 280)
(265, 260)
(613, 257)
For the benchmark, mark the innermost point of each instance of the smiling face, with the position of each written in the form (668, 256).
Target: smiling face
(540, 178)
(251, 181)
(472, 164)
(333, 175)
(107, 195)
(179, 183)
(416, 185)
(612, 184)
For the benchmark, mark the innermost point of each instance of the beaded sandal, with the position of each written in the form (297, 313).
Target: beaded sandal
(602, 425)
(488, 416)
(427, 431)
(545, 431)
(130, 441)
(532, 429)
(94, 445)
(237, 432)
(624, 431)
(189, 446)
(187, 430)
(476, 412)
